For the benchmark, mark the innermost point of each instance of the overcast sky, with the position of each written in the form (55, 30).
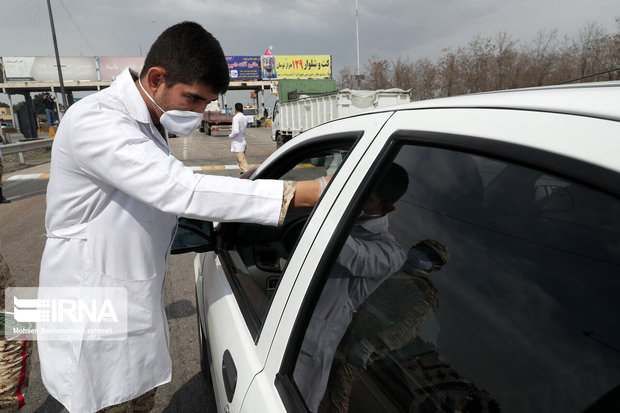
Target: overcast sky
(387, 28)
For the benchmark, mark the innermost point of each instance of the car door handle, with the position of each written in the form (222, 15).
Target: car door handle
(229, 374)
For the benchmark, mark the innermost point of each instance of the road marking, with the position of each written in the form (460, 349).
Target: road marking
(233, 167)
(27, 177)
(214, 167)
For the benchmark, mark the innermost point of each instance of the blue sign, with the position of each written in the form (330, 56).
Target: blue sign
(243, 67)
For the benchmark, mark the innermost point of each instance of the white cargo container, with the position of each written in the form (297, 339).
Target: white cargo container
(293, 117)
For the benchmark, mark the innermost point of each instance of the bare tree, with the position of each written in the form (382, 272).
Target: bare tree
(610, 55)
(475, 64)
(378, 74)
(505, 57)
(449, 75)
(589, 50)
(403, 74)
(346, 79)
(499, 62)
(542, 53)
(425, 84)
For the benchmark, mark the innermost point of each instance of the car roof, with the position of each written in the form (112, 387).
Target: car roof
(599, 99)
(596, 100)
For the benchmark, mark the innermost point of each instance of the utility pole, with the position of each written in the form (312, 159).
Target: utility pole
(358, 76)
(357, 39)
(62, 85)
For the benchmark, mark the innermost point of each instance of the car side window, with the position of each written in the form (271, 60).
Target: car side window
(255, 256)
(506, 298)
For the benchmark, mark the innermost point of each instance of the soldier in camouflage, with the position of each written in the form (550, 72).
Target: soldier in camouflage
(388, 320)
(3, 200)
(14, 356)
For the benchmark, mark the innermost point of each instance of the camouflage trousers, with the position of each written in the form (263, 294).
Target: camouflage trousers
(14, 358)
(242, 162)
(1, 170)
(140, 404)
(342, 376)
(14, 373)
(5, 280)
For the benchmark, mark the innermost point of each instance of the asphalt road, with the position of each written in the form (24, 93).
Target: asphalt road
(22, 232)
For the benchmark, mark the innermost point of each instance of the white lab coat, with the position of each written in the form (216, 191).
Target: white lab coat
(237, 134)
(113, 199)
(369, 256)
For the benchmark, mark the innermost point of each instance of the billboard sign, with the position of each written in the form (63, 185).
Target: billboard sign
(112, 66)
(296, 67)
(44, 69)
(268, 67)
(243, 67)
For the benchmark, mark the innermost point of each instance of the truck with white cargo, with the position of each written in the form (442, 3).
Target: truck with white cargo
(296, 116)
(292, 89)
(214, 118)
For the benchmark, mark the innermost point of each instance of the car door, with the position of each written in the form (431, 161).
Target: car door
(242, 288)
(522, 315)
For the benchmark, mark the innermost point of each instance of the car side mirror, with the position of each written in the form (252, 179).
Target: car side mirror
(193, 236)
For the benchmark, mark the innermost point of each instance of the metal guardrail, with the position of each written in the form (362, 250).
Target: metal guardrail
(21, 147)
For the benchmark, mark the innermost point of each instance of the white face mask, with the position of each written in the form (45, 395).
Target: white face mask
(416, 259)
(364, 215)
(180, 122)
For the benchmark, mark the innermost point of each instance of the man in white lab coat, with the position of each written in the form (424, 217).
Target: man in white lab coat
(113, 200)
(238, 145)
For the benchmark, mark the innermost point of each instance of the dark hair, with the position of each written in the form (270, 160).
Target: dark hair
(238, 107)
(189, 54)
(392, 184)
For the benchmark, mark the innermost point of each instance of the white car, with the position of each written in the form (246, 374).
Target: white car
(523, 190)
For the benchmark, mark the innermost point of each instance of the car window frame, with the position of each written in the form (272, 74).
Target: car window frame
(584, 173)
(284, 383)
(274, 170)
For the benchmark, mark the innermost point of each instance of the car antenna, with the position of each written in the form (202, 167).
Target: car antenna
(589, 76)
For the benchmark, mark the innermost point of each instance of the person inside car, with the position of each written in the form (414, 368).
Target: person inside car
(369, 256)
(389, 319)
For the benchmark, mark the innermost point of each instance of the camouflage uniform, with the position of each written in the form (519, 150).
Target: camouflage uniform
(396, 312)
(444, 388)
(14, 356)
(5, 280)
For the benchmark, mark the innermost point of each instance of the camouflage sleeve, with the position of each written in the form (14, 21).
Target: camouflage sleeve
(289, 193)
(5, 280)
(405, 327)
(404, 330)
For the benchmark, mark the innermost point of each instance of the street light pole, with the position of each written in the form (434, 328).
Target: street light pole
(357, 41)
(62, 85)
(358, 76)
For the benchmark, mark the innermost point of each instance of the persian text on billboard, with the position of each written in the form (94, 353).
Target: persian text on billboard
(243, 67)
(110, 67)
(44, 69)
(303, 67)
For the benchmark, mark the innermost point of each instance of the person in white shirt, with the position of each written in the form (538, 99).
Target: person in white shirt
(238, 145)
(113, 201)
